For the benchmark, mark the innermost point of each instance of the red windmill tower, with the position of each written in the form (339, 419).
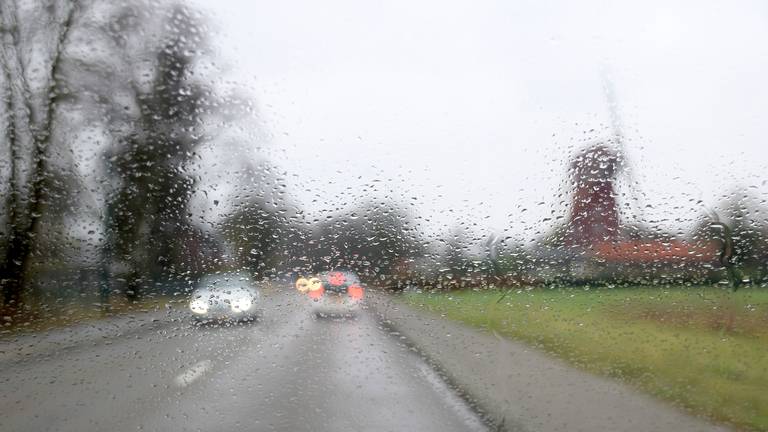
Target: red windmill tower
(594, 216)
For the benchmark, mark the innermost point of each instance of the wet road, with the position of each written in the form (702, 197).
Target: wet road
(287, 372)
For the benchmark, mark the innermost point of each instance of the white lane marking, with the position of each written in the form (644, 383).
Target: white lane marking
(193, 373)
(457, 404)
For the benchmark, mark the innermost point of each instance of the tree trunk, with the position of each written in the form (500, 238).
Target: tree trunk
(12, 270)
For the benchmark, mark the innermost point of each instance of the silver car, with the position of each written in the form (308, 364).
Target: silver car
(225, 297)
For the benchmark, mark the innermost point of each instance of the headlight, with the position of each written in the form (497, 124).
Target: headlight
(199, 306)
(241, 304)
(302, 285)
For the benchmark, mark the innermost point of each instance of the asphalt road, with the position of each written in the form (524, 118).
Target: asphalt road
(287, 372)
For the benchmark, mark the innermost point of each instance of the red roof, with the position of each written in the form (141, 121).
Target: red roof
(654, 250)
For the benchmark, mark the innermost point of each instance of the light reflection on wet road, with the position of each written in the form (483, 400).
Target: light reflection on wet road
(289, 371)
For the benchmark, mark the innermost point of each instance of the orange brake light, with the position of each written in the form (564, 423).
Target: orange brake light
(355, 291)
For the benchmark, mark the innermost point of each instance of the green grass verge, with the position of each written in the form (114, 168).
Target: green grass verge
(703, 348)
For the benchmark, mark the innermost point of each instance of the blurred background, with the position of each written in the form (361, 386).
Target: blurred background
(588, 178)
(421, 146)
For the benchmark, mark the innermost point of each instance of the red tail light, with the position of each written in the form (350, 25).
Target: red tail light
(356, 292)
(316, 294)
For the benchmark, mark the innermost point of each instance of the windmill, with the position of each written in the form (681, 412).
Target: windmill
(595, 174)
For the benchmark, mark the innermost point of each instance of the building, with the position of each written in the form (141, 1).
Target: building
(594, 243)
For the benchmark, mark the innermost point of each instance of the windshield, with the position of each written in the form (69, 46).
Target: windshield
(221, 280)
(377, 216)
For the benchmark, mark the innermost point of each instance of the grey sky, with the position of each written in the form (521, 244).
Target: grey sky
(475, 107)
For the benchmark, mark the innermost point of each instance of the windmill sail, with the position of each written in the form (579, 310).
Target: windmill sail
(618, 139)
(613, 109)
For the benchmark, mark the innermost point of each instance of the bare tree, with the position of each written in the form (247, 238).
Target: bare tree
(30, 118)
(131, 70)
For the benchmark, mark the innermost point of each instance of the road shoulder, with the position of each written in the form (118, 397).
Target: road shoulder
(40, 345)
(523, 389)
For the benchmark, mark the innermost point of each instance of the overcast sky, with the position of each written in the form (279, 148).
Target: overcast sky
(473, 109)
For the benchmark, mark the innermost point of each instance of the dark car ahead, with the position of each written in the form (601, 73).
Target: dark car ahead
(335, 293)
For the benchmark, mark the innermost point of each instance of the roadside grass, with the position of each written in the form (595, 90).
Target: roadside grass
(43, 317)
(702, 348)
